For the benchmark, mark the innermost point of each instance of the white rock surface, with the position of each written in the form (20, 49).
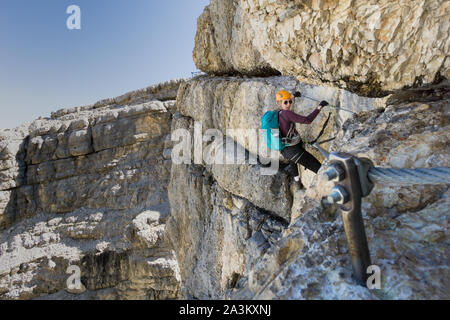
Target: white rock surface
(88, 189)
(368, 47)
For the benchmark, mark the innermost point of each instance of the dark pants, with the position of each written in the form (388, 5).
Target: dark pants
(296, 154)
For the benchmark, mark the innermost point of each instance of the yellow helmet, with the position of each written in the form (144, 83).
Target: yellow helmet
(283, 95)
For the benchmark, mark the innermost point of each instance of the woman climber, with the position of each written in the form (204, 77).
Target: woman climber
(295, 152)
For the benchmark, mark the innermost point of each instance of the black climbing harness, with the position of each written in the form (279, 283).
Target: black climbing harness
(291, 138)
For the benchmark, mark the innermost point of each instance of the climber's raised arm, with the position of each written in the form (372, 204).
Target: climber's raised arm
(294, 117)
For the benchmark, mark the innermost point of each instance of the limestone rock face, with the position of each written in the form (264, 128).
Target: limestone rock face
(87, 189)
(366, 47)
(223, 41)
(237, 103)
(217, 212)
(406, 227)
(217, 234)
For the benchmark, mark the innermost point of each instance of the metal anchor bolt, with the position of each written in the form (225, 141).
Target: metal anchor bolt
(338, 195)
(334, 173)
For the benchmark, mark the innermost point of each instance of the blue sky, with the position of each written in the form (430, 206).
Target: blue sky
(122, 46)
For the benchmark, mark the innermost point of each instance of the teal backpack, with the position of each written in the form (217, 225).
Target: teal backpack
(272, 139)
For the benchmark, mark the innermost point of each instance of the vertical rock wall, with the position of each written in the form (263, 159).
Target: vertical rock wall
(87, 188)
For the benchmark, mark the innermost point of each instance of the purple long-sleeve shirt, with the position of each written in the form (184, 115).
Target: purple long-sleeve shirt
(287, 117)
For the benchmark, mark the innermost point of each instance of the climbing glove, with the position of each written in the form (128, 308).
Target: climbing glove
(324, 103)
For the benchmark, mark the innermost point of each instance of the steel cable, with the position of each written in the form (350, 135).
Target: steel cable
(433, 176)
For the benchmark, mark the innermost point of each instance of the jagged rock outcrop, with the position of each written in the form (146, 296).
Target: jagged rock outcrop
(223, 43)
(368, 47)
(165, 91)
(88, 188)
